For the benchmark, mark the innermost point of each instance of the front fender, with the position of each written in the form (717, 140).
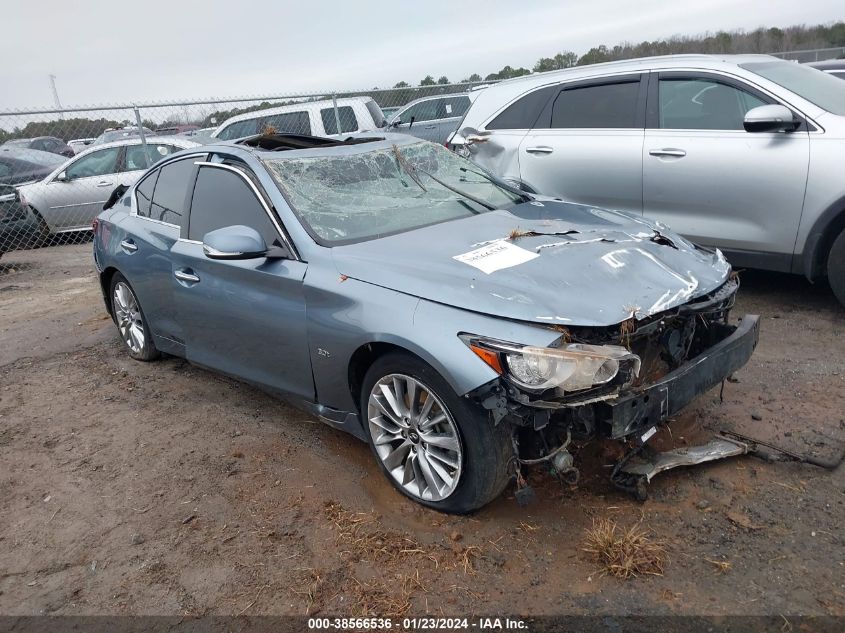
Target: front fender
(346, 314)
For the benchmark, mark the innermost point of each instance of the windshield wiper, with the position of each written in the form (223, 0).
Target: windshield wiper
(504, 186)
(407, 167)
(411, 169)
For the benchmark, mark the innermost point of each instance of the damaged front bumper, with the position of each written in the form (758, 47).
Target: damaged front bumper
(650, 405)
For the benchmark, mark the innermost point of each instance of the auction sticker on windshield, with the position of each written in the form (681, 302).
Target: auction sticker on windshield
(495, 256)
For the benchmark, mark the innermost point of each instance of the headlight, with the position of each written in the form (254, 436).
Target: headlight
(570, 367)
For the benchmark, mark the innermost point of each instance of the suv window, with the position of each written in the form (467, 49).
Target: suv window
(703, 104)
(455, 106)
(223, 198)
(290, 122)
(522, 114)
(422, 111)
(239, 130)
(171, 190)
(598, 106)
(144, 194)
(97, 163)
(348, 122)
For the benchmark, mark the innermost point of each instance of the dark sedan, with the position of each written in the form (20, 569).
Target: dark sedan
(49, 144)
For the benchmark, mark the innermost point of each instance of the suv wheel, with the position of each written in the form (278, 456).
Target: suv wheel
(436, 448)
(130, 320)
(836, 267)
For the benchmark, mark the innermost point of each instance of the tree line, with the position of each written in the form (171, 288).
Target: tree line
(761, 40)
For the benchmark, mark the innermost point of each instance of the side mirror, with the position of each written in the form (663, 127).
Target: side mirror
(62, 177)
(234, 242)
(770, 118)
(395, 122)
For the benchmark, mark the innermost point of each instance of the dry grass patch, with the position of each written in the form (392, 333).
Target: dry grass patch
(622, 552)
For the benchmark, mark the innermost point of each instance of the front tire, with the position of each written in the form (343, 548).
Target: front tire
(836, 267)
(440, 450)
(130, 320)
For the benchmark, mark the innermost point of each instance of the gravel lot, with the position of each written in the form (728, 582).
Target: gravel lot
(160, 488)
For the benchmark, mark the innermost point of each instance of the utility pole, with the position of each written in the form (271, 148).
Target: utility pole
(56, 95)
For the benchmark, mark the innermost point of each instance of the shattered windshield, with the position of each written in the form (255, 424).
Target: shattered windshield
(360, 196)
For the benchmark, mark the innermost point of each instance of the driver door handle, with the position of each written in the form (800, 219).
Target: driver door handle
(184, 275)
(540, 149)
(104, 183)
(430, 127)
(667, 151)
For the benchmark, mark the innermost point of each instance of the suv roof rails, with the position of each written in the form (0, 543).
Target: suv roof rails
(281, 142)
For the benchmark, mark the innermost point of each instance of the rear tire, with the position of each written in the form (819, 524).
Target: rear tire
(130, 320)
(442, 451)
(42, 235)
(836, 267)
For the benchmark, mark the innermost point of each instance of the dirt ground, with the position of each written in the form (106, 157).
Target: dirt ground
(160, 488)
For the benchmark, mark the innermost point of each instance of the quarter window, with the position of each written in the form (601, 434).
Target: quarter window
(599, 106)
(223, 198)
(522, 114)
(348, 122)
(171, 190)
(144, 194)
(97, 163)
(702, 104)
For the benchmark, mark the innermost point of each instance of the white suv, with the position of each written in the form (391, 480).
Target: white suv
(741, 152)
(312, 118)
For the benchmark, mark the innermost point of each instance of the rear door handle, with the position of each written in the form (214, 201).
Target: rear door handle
(129, 246)
(186, 275)
(429, 127)
(540, 149)
(667, 151)
(104, 183)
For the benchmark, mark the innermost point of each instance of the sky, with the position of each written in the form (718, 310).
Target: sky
(116, 52)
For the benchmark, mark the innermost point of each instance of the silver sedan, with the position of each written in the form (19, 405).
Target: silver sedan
(73, 194)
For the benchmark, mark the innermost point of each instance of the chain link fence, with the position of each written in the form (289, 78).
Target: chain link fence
(813, 54)
(58, 167)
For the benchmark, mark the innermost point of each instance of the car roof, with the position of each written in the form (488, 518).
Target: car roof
(28, 155)
(829, 64)
(183, 141)
(274, 146)
(469, 95)
(304, 105)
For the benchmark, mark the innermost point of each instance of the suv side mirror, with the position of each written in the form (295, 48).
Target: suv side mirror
(770, 118)
(234, 242)
(62, 177)
(395, 122)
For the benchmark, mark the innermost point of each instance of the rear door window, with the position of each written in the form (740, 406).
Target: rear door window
(286, 122)
(223, 198)
(171, 191)
(611, 105)
(348, 122)
(523, 113)
(455, 106)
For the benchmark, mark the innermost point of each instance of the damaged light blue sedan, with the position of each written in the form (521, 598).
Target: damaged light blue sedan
(463, 328)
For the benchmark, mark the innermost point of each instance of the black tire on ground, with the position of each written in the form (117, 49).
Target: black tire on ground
(836, 267)
(486, 447)
(147, 351)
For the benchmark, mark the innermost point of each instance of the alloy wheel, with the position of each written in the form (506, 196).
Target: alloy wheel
(415, 437)
(127, 313)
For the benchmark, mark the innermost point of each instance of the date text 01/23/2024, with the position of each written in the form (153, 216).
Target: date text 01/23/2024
(417, 624)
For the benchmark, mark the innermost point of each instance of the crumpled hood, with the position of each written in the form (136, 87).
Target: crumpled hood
(563, 263)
